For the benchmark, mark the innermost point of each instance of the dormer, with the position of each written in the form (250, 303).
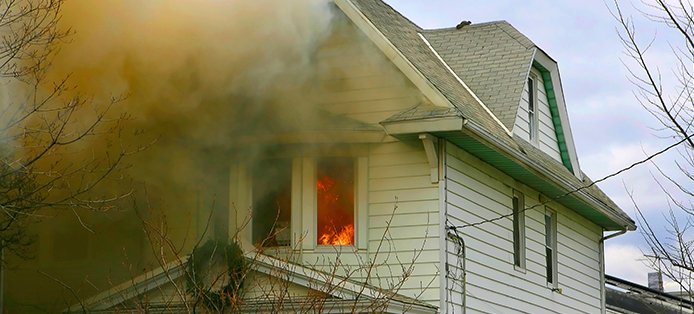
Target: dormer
(541, 118)
(514, 80)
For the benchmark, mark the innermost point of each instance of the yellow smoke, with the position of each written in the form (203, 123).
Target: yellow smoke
(195, 76)
(169, 55)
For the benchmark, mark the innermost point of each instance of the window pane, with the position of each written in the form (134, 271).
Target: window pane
(335, 201)
(516, 233)
(550, 246)
(550, 265)
(531, 108)
(548, 229)
(272, 181)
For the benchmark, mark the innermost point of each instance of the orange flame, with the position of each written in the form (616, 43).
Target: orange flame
(344, 237)
(335, 217)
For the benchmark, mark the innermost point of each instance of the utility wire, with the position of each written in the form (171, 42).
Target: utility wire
(660, 152)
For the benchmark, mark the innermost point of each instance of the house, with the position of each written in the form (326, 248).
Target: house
(440, 175)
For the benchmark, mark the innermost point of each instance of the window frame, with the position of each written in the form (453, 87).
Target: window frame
(309, 205)
(533, 119)
(303, 199)
(518, 230)
(318, 160)
(252, 181)
(551, 233)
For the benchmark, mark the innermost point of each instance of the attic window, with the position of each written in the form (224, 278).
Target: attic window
(272, 195)
(335, 201)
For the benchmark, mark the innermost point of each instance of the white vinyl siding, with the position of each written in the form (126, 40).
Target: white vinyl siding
(399, 183)
(546, 135)
(356, 80)
(475, 192)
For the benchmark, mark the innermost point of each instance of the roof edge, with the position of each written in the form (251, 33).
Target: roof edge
(584, 196)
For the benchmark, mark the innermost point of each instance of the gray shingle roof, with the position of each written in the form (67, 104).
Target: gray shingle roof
(493, 59)
(514, 52)
(403, 34)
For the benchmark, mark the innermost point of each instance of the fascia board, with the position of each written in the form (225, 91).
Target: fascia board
(423, 125)
(393, 53)
(138, 286)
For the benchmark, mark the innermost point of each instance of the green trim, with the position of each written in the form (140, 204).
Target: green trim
(554, 110)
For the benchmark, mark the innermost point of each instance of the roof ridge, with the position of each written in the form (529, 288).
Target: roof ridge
(473, 25)
(518, 36)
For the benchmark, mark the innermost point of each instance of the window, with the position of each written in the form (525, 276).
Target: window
(532, 108)
(551, 246)
(335, 201)
(518, 230)
(272, 196)
(301, 201)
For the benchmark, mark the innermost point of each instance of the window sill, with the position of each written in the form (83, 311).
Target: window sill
(519, 269)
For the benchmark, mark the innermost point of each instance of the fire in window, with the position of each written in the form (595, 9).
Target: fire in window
(272, 201)
(335, 201)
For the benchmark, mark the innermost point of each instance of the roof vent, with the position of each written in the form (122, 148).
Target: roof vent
(462, 24)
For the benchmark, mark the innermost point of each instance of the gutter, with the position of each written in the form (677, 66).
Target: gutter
(613, 235)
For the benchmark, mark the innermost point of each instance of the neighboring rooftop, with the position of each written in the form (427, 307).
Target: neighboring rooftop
(627, 297)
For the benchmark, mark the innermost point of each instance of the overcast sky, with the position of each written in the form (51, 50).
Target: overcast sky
(611, 129)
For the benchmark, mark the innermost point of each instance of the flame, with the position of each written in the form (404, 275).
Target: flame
(335, 216)
(344, 237)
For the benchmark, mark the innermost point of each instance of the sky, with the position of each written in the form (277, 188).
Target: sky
(611, 129)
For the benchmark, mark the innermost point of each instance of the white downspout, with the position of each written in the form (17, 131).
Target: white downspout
(603, 305)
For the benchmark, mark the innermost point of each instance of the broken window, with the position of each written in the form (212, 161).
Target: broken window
(272, 192)
(335, 201)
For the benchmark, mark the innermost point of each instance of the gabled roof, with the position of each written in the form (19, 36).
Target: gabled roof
(472, 123)
(404, 36)
(341, 295)
(492, 58)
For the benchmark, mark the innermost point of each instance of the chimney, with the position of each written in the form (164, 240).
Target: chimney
(655, 281)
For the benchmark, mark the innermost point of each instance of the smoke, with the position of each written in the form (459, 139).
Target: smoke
(194, 73)
(203, 82)
(172, 57)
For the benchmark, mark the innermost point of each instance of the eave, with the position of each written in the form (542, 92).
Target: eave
(475, 140)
